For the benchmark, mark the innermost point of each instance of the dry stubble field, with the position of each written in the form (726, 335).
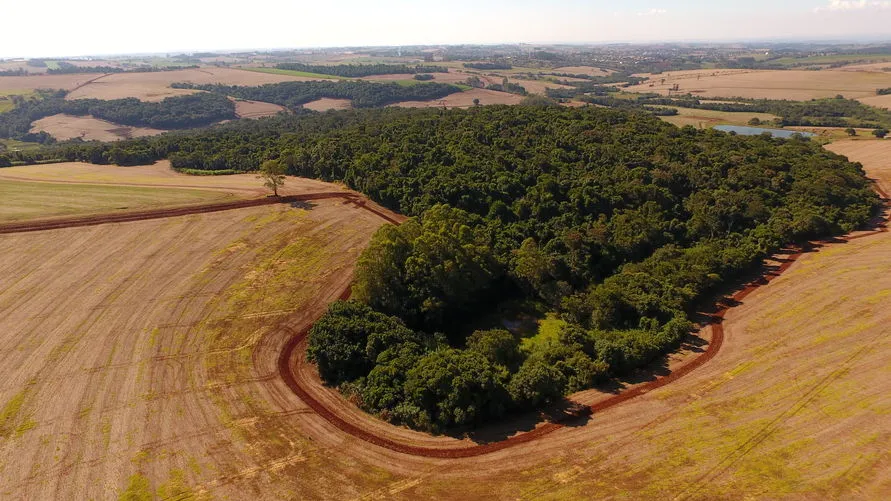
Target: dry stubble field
(157, 374)
(798, 85)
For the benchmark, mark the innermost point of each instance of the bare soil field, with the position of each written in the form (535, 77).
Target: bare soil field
(155, 86)
(792, 84)
(465, 99)
(256, 109)
(127, 353)
(88, 128)
(159, 175)
(325, 104)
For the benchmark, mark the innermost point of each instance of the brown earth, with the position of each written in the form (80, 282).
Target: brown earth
(256, 109)
(88, 128)
(465, 99)
(767, 84)
(452, 76)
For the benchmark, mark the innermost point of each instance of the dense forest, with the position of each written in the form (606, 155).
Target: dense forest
(180, 112)
(363, 94)
(828, 112)
(361, 70)
(615, 221)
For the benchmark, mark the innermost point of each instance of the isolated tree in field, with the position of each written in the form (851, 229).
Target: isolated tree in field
(755, 121)
(851, 131)
(476, 101)
(880, 133)
(272, 172)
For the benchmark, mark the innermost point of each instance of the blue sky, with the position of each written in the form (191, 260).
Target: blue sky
(66, 28)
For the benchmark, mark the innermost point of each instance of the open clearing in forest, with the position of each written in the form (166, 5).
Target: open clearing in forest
(256, 109)
(64, 127)
(465, 99)
(327, 103)
(32, 200)
(799, 85)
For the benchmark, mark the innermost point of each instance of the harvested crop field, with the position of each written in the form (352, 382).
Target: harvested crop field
(766, 84)
(27, 84)
(451, 77)
(31, 200)
(128, 352)
(584, 70)
(159, 174)
(325, 104)
(465, 99)
(64, 127)
(877, 101)
(256, 109)
(155, 86)
(538, 86)
(708, 118)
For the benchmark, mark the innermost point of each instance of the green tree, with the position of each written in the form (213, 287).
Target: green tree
(851, 131)
(499, 346)
(880, 133)
(451, 387)
(536, 383)
(272, 173)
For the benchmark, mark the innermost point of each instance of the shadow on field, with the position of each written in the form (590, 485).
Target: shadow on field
(300, 204)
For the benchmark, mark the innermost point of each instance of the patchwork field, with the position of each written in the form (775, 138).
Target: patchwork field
(64, 127)
(156, 86)
(584, 70)
(792, 84)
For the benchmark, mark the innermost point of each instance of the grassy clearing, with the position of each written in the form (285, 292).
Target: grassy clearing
(306, 74)
(24, 200)
(835, 58)
(546, 334)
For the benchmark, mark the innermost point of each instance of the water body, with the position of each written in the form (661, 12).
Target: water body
(754, 131)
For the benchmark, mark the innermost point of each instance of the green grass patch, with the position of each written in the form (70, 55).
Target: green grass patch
(547, 334)
(9, 414)
(52, 65)
(276, 71)
(24, 200)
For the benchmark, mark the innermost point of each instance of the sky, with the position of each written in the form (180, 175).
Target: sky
(60, 28)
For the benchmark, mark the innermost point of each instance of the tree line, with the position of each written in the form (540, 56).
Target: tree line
(363, 94)
(361, 70)
(179, 112)
(618, 222)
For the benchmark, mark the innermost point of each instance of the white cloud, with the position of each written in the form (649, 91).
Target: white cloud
(652, 12)
(845, 5)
